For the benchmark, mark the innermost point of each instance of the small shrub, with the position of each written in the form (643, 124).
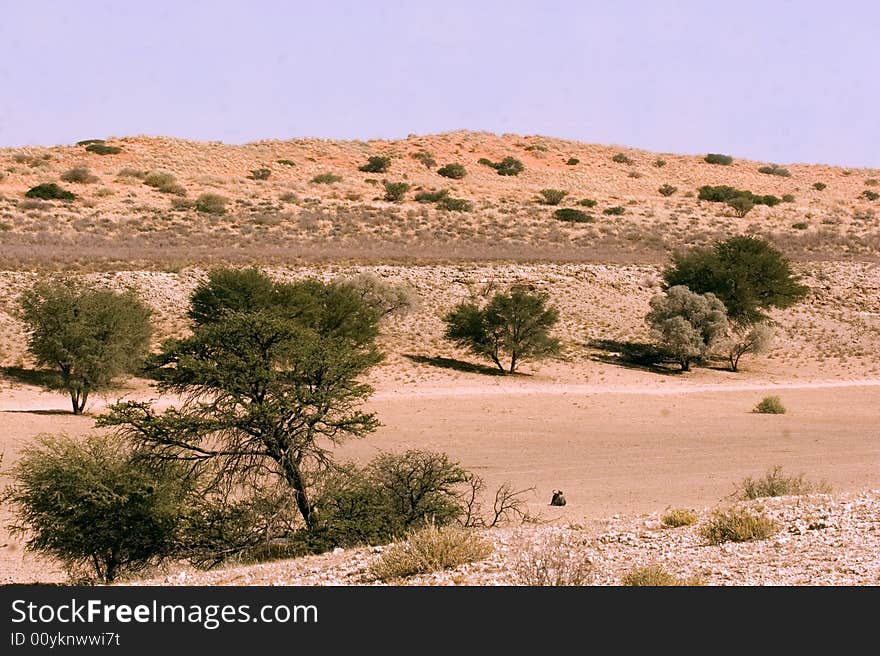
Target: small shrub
(327, 178)
(773, 169)
(552, 196)
(260, 174)
(131, 173)
(454, 204)
(677, 517)
(573, 161)
(655, 576)
(164, 182)
(571, 215)
(103, 149)
(541, 148)
(738, 525)
(588, 202)
(617, 210)
(86, 142)
(870, 195)
(395, 191)
(555, 562)
(289, 197)
(454, 171)
(426, 158)
(872, 182)
(486, 162)
(430, 196)
(49, 191)
(659, 163)
(800, 225)
(819, 186)
(376, 164)
(285, 162)
(430, 549)
(740, 205)
(634, 174)
(718, 158)
(787, 198)
(776, 484)
(80, 175)
(667, 190)
(770, 405)
(724, 193)
(211, 204)
(621, 158)
(509, 166)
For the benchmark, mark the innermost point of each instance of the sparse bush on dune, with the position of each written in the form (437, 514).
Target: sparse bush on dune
(776, 484)
(260, 174)
(740, 205)
(656, 576)
(376, 164)
(616, 210)
(326, 178)
(209, 203)
(430, 196)
(718, 158)
(667, 190)
(738, 524)
(659, 162)
(164, 182)
(677, 517)
(572, 161)
(867, 194)
(79, 174)
(621, 158)
(285, 162)
(507, 166)
(395, 191)
(572, 215)
(588, 202)
(100, 148)
(453, 171)
(49, 191)
(724, 194)
(454, 204)
(555, 561)
(426, 158)
(552, 196)
(774, 169)
(819, 186)
(87, 142)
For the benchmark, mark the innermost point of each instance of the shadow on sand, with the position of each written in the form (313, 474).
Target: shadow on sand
(632, 355)
(457, 365)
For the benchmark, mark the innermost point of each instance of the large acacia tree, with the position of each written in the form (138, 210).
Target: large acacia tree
(268, 382)
(515, 324)
(87, 337)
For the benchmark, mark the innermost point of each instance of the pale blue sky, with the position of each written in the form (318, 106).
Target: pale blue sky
(773, 80)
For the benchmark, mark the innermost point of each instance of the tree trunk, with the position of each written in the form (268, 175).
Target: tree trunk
(498, 362)
(685, 365)
(293, 476)
(78, 399)
(513, 363)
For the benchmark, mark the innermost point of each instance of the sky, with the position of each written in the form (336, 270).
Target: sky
(773, 80)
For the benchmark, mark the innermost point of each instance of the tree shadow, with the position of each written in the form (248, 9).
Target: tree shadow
(35, 377)
(457, 365)
(632, 355)
(69, 413)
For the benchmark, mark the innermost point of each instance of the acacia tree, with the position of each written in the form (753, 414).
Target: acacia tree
(266, 391)
(747, 273)
(517, 323)
(88, 337)
(747, 339)
(688, 324)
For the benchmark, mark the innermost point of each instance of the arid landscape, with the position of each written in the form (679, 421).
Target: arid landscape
(626, 441)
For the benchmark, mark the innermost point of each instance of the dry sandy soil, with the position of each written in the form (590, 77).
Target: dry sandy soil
(618, 439)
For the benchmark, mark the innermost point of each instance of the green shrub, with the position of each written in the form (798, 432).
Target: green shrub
(588, 202)
(87, 142)
(326, 178)
(655, 576)
(131, 173)
(454, 171)
(634, 174)
(571, 215)
(667, 190)
(773, 169)
(211, 203)
(819, 186)
(870, 195)
(621, 158)
(718, 158)
(164, 182)
(776, 484)
(430, 549)
(738, 524)
(454, 204)
(800, 225)
(787, 198)
(94, 506)
(770, 405)
(80, 175)
(741, 205)
(103, 149)
(617, 210)
(376, 164)
(659, 163)
(541, 148)
(49, 191)
(260, 174)
(431, 196)
(395, 191)
(426, 158)
(724, 193)
(285, 162)
(677, 517)
(507, 166)
(573, 161)
(552, 196)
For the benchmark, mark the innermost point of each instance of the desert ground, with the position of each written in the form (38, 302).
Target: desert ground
(624, 442)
